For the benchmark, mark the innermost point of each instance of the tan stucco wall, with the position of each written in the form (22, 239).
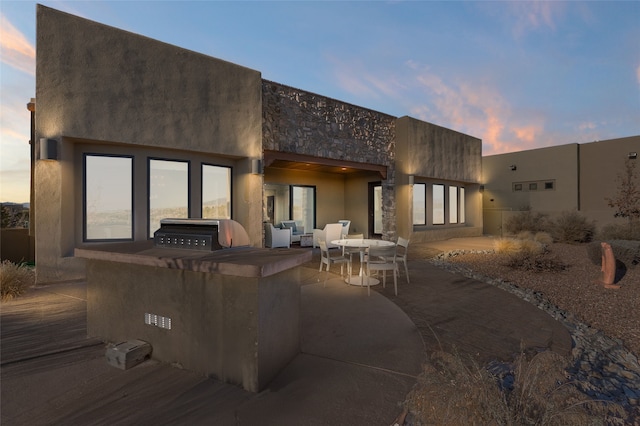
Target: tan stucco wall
(356, 203)
(556, 164)
(98, 83)
(545, 164)
(430, 151)
(600, 164)
(434, 154)
(240, 330)
(583, 175)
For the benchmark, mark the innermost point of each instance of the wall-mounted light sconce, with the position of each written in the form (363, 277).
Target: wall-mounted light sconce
(512, 167)
(633, 155)
(48, 149)
(411, 179)
(256, 166)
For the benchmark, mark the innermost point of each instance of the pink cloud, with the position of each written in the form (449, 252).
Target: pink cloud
(478, 110)
(16, 50)
(526, 133)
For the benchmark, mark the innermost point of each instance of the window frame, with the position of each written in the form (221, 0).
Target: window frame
(453, 209)
(424, 207)
(462, 217)
(230, 170)
(149, 160)
(85, 238)
(442, 210)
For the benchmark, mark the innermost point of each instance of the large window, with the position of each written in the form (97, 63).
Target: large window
(168, 191)
(453, 204)
(303, 205)
(438, 204)
(216, 192)
(419, 204)
(108, 197)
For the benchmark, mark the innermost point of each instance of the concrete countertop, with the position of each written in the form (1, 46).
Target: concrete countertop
(239, 261)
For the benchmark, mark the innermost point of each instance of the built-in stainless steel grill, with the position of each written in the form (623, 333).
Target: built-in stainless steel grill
(200, 234)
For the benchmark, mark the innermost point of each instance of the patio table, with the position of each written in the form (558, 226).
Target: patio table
(362, 245)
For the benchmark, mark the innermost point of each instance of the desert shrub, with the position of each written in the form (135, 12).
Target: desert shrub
(542, 394)
(506, 245)
(531, 247)
(543, 238)
(14, 279)
(572, 227)
(452, 391)
(618, 232)
(525, 235)
(513, 246)
(526, 221)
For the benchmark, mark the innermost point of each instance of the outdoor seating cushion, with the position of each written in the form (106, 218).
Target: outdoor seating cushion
(276, 237)
(296, 230)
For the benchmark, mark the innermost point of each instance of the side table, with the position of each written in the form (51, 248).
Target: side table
(306, 240)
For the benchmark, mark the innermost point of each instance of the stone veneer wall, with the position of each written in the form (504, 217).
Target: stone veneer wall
(301, 122)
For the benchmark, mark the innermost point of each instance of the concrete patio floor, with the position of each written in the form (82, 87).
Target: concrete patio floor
(359, 357)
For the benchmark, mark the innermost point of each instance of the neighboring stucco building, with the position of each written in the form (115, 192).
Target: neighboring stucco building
(145, 130)
(573, 177)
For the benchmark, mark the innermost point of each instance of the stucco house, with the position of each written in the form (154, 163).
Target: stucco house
(130, 130)
(552, 180)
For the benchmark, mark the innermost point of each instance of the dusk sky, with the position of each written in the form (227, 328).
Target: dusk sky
(518, 75)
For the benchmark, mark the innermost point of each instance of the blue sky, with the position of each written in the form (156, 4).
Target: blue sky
(518, 75)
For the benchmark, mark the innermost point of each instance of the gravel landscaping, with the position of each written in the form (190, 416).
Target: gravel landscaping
(575, 290)
(604, 323)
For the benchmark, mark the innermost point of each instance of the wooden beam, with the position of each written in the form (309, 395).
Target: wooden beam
(271, 156)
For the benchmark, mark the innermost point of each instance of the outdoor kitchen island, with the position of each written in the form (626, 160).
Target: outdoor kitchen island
(231, 314)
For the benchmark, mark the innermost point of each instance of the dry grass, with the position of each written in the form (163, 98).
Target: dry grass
(14, 280)
(529, 252)
(526, 244)
(454, 391)
(507, 245)
(543, 238)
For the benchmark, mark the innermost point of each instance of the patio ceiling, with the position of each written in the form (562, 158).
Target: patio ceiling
(291, 161)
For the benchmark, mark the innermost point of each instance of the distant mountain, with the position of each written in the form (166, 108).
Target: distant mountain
(10, 203)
